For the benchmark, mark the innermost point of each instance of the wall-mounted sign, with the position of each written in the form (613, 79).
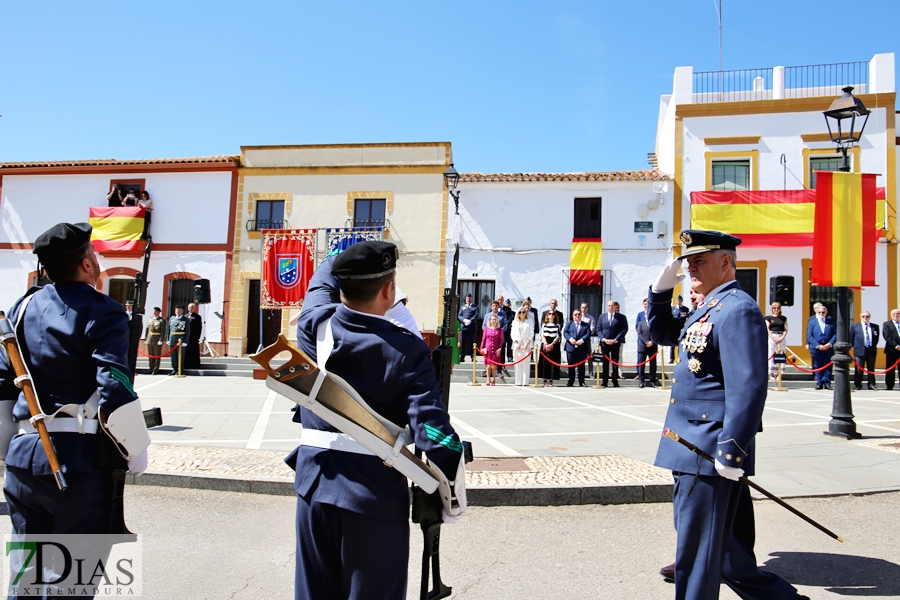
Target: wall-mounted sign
(643, 226)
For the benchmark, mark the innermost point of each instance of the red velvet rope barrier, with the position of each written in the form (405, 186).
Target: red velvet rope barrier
(630, 366)
(549, 360)
(793, 364)
(499, 364)
(864, 370)
(163, 356)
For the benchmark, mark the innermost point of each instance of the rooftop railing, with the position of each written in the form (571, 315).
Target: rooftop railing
(780, 82)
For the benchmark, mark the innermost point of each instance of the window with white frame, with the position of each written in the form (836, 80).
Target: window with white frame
(730, 175)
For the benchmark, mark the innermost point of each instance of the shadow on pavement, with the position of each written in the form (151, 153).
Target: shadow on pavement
(838, 573)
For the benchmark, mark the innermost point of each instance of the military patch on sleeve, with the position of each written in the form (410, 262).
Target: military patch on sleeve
(122, 378)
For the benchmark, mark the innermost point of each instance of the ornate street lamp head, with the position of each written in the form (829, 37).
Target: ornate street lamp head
(842, 115)
(451, 177)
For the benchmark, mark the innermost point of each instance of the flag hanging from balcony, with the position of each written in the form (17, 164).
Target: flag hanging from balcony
(585, 262)
(288, 265)
(844, 244)
(766, 218)
(117, 229)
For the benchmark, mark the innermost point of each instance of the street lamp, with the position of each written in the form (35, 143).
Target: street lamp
(451, 178)
(843, 113)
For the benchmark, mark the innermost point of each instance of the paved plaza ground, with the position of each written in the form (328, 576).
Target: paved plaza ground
(234, 427)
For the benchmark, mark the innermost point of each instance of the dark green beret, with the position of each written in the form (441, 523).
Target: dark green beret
(697, 241)
(62, 238)
(366, 260)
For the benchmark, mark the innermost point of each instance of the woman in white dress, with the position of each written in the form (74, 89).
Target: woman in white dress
(522, 333)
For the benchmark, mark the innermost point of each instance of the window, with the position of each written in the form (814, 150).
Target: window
(368, 212)
(730, 175)
(829, 163)
(587, 218)
(269, 215)
(124, 186)
(121, 290)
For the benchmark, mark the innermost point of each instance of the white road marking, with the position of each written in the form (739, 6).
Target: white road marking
(259, 430)
(150, 385)
(485, 438)
(595, 407)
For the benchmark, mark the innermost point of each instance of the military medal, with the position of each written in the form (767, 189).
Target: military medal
(694, 365)
(696, 337)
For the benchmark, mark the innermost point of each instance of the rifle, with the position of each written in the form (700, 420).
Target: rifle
(426, 508)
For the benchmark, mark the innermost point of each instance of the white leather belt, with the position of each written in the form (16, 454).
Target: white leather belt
(63, 425)
(331, 440)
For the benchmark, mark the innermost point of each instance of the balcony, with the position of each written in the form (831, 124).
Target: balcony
(368, 223)
(260, 224)
(776, 83)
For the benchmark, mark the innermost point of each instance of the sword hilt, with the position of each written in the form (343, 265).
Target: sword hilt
(297, 364)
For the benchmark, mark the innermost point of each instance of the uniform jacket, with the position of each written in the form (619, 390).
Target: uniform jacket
(469, 312)
(815, 336)
(177, 323)
(858, 339)
(579, 331)
(612, 330)
(721, 419)
(392, 370)
(155, 326)
(75, 344)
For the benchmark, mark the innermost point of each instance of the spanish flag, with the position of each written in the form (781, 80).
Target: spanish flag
(117, 229)
(845, 232)
(585, 263)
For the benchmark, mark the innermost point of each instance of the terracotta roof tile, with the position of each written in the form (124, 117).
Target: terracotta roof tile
(644, 175)
(105, 162)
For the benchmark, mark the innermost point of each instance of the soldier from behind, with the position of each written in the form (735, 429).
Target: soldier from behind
(153, 337)
(718, 395)
(74, 341)
(179, 332)
(352, 510)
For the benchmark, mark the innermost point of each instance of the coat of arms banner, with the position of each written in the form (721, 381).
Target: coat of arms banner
(288, 265)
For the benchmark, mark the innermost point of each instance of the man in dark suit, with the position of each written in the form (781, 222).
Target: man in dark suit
(645, 349)
(468, 320)
(717, 401)
(821, 333)
(577, 334)
(611, 329)
(559, 316)
(891, 332)
(864, 339)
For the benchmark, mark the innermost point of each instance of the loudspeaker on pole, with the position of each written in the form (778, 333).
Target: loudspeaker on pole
(201, 291)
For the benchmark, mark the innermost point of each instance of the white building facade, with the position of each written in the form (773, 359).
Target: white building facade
(191, 226)
(515, 233)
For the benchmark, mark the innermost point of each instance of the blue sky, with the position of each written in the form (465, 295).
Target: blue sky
(515, 86)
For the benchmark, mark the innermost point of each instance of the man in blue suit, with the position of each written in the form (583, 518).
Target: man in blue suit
(352, 510)
(821, 334)
(467, 317)
(864, 339)
(611, 329)
(725, 335)
(577, 334)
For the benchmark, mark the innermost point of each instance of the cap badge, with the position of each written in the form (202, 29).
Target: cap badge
(686, 238)
(386, 260)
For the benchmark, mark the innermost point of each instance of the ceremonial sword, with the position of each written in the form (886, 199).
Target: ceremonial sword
(674, 436)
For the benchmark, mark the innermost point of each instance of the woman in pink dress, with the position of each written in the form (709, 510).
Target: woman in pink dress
(491, 345)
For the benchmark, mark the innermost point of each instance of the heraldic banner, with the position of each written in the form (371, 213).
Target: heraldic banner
(288, 265)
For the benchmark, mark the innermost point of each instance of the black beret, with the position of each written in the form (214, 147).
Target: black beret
(62, 238)
(366, 260)
(697, 241)
(181, 306)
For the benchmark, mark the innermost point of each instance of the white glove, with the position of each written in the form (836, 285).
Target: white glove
(732, 473)
(467, 322)
(137, 466)
(668, 278)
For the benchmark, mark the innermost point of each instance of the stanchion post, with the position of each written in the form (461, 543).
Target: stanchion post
(780, 388)
(597, 370)
(180, 357)
(537, 358)
(663, 369)
(474, 365)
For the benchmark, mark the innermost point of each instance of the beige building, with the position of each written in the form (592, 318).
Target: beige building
(398, 187)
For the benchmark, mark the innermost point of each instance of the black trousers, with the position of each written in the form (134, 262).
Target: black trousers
(466, 341)
(868, 361)
(609, 352)
(643, 354)
(891, 355)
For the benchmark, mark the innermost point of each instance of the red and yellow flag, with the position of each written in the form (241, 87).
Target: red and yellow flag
(845, 232)
(117, 229)
(586, 261)
(766, 218)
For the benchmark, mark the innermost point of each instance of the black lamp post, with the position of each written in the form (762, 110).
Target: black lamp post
(451, 178)
(843, 113)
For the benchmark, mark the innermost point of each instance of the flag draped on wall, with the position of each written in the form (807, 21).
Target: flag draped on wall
(844, 245)
(288, 265)
(117, 229)
(766, 219)
(586, 261)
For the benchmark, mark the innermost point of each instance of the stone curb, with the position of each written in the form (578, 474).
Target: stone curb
(559, 495)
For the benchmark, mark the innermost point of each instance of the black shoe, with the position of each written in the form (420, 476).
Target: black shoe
(871, 387)
(581, 384)
(173, 373)
(603, 386)
(819, 386)
(858, 387)
(668, 573)
(569, 384)
(641, 385)
(615, 383)
(828, 386)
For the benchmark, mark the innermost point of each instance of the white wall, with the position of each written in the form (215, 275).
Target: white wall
(188, 208)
